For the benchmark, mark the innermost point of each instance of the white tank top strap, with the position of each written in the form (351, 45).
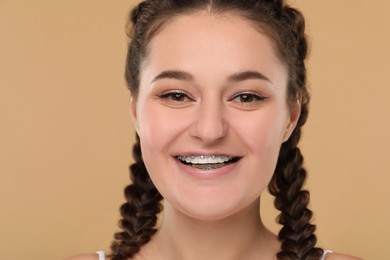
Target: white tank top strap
(101, 255)
(325, 253)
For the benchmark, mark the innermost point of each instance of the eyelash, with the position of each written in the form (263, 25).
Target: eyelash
(175, 96)
(248, 98)
(244, 98)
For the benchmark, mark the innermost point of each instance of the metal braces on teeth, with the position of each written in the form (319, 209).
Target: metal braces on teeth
(205, 159)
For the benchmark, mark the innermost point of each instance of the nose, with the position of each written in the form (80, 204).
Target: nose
(209, 124)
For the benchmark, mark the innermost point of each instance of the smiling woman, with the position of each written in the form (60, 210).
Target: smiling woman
(218, 102)
(211, 107)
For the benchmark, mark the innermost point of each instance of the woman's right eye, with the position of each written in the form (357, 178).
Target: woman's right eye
(176, 97)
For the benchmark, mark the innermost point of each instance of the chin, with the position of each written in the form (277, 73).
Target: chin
(212, 210)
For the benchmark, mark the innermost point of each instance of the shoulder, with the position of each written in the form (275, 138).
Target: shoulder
(338, 256)
(83, 257)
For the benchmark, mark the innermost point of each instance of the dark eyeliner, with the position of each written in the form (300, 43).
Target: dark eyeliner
(171, 95)
(255, 97)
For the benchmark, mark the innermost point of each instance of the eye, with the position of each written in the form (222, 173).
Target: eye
(248, 98)
(175, 97)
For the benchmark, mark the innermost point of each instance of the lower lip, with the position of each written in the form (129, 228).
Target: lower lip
(207, 174)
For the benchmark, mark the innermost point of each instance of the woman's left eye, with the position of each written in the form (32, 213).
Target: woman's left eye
(247, 98)
(175, 96)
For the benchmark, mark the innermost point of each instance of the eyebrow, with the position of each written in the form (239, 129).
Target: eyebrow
(246, 75)
(236, 77)
(174, 74)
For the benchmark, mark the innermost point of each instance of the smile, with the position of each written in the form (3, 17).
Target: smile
(207, 162)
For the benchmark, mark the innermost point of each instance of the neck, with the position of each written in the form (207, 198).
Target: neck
(240, 236)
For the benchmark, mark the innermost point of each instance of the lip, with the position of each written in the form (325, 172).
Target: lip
(206, 174)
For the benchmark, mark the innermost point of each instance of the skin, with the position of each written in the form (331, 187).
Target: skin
(209, 118)
(212, 85)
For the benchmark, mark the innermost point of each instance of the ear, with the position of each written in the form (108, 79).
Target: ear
(133, 112)
(294, 114)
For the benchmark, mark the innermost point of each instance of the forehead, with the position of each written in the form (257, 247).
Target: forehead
(226, 41)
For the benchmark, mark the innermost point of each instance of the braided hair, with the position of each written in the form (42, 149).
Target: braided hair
(139, 212)
(286, 27)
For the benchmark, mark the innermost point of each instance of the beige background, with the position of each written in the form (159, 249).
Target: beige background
(65, 135)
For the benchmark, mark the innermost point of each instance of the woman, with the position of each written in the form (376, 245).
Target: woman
(218, 102)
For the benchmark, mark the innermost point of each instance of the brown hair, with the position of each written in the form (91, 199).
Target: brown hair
(286, 27)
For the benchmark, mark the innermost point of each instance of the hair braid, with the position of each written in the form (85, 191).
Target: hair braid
(297, 234)
(139, 213)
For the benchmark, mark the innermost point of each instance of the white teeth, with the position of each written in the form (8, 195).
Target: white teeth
(205, 159)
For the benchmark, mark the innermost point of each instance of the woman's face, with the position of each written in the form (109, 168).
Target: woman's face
(211, 113)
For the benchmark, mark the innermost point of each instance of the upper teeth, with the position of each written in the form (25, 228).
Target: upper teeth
(205, 159)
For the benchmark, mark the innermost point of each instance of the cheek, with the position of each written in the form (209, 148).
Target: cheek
(261, 131)
(156, 131)
(159, 126)
(262, 138)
